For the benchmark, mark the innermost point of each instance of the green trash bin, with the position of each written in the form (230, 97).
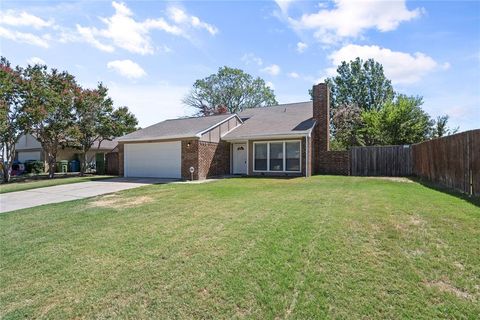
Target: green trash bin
(62, 166)
(100, 163)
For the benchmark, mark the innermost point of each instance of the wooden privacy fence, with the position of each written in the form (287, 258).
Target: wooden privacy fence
(395, 161)
(452, 161)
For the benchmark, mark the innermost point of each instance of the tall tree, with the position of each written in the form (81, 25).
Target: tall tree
(360, 83)
(441, 128)
(14, 116)
(92, 112)
(50, 98)
(97, 121)
(121, 122)
(230, 88)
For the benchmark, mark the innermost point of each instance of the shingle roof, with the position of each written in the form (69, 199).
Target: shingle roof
(175, 128)
(284, 119)
(105, 145)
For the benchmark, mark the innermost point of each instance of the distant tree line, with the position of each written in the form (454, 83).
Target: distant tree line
(366, 111)
(57, 111)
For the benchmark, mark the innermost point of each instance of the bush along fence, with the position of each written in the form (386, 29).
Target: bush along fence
(452, 161)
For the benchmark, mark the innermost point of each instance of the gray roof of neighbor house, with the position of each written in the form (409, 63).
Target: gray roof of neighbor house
(105, 145)
(176, 128)
(281, 120)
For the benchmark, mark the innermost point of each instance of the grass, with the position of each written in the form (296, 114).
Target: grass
(323, 247)
(28, 184)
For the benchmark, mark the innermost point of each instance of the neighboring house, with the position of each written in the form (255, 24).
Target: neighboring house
(29, 148)
(283, 140)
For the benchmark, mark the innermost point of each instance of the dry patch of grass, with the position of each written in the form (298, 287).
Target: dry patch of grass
(393, 179)
(444, 286)
(118, 202)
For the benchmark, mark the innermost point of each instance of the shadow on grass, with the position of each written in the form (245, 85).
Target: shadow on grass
(475, 200)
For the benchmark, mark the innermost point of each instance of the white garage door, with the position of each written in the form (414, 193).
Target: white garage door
(156, 159)
(28, 155)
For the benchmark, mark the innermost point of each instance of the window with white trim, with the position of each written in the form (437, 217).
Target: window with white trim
(277, 156)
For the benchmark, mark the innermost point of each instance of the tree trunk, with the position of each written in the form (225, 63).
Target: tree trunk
(6, 172)
(83, 164)
(52, 165)
(9, 155)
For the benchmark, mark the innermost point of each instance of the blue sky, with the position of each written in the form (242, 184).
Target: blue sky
(149, 53)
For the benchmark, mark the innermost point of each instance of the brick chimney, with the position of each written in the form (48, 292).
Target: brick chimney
(321, 113)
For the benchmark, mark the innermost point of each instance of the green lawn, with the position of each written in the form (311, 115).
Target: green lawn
(323, 247)
(34, 184)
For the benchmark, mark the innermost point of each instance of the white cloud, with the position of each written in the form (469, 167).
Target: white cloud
(400, 67)
(23, 19)
(301, 47)
(350, 19)
(123, 31)
(25, 37)
(272, 70)
(284, 5)
(250, 58)
(294, 75)
(270, 85)
(179, 16)
(151, 103)
(127, 68)
(35, 60)
(88, 36)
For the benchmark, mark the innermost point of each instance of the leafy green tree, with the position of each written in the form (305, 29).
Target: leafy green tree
(92, 110)
(441, 129)
(229, 88)
(14, 116)
(401, 121)
(121, 122)
(50, 98)
(360, 83)
(346, 123)
(97, 121)
(366, 111)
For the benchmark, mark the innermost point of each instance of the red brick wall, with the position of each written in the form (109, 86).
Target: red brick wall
(326, 161)
(190, 159)
(214, 159)
(334, 162)
(209, 159)
(120, 159)
(321, 132)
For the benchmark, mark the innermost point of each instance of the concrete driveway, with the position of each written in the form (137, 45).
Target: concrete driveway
(67, 192)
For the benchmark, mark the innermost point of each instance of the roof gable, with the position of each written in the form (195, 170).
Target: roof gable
(177, 128)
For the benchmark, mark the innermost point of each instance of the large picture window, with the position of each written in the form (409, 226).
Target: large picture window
(277, 156)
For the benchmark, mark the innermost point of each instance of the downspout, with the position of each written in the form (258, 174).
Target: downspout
(306, 155)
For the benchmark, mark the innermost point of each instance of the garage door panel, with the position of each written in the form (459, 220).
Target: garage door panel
(156, 159)
(28, 155)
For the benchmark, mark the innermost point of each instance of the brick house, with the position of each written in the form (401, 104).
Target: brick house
(284, 140)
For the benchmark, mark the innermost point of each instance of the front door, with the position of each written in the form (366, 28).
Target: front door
(239, 158)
